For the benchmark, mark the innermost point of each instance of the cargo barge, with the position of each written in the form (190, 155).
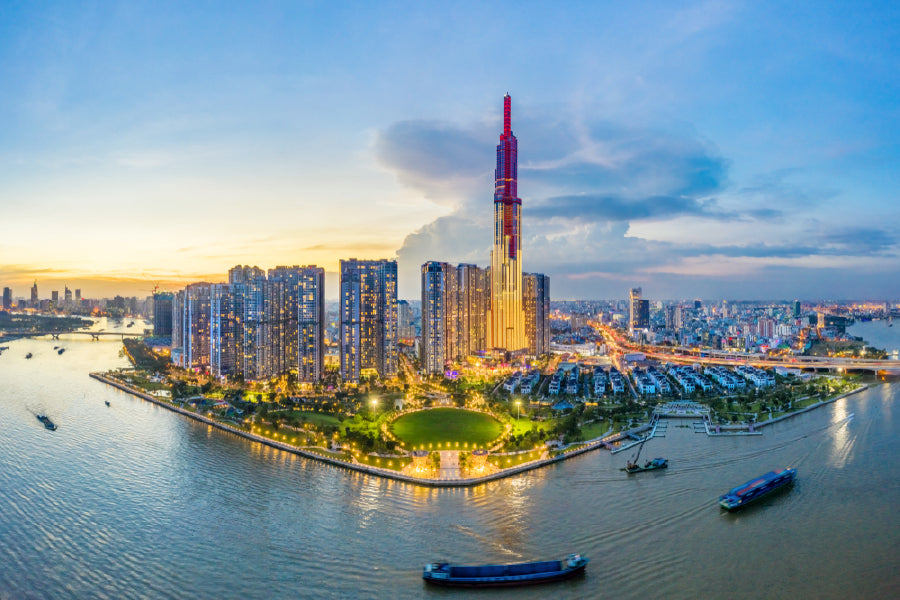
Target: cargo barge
(757, 488)
(442, 573)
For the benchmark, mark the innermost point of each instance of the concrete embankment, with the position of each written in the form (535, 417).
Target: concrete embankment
(339, 463)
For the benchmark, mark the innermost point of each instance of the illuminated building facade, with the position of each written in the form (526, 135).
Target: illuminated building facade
(303, 339)
(536, 302)
(507, 322)
(454, 305)
(369, 320)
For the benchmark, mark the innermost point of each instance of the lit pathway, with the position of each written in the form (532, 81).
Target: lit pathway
(449, 464)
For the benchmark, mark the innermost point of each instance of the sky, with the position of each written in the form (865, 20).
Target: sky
(713, 149)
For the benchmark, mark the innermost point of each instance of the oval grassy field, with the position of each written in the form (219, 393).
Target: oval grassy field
(442, 425)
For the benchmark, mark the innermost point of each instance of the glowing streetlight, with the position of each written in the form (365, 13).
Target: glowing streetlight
(518, 405)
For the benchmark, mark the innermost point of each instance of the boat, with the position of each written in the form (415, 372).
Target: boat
(442, 573)
(47, 422)
(757, 488)
(107, 402)
(61, 350)
(650, 465)
(29, 355)
(633, 466)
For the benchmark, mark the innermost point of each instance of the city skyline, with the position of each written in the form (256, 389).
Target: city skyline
(714, 150)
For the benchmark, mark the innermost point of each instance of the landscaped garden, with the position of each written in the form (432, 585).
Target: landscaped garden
(443, 425)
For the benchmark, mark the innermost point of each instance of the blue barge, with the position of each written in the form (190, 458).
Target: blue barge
(442, 573)
(756, 488)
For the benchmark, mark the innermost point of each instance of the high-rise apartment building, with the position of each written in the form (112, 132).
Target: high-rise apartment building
(407, 330)
(7, 298)
(77, 294)
(34, 295)
(67, 297)
(438, 314)
(226, 331)
(162, 313)
(195, 322)
(536, 300)
(54, 298)
(303, 331)
(369, 328)
(507, 321)
(473, 306)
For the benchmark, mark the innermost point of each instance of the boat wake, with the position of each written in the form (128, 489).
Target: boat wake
(486, 541)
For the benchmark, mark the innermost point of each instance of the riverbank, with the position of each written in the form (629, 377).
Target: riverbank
(580, 448)
(754, 428)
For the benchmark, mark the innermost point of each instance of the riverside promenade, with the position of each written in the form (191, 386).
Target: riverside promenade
(386, 473)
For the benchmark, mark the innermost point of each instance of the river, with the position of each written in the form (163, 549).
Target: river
(133, 501)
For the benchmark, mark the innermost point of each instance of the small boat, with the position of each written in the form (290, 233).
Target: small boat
(61, 350)
(29, 355)
(633, 466)
(442, 573)
(107, 402)
(650, 465)
(130, 324)
(756, 488)
(47, 422)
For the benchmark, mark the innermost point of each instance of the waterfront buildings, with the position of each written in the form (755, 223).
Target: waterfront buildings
(255, 327)
(7, 298)
(369, 320)
(507, 320)
(536, 301)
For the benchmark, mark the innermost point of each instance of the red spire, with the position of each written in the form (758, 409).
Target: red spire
(507, 129)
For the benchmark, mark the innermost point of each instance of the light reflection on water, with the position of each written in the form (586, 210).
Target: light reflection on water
(133, 501)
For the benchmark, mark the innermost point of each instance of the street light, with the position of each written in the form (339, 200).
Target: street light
(518, 405)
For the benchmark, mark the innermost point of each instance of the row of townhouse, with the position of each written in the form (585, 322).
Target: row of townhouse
(662, 382)
(529, 381)
(690, 379)
(725, 378)
(758, 377)
(645, 384)
(513, 382)
(599, 380)
(616, 381)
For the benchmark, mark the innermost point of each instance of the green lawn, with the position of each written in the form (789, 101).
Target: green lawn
(443, 425)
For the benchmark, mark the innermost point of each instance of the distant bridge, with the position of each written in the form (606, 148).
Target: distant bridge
(95, 335)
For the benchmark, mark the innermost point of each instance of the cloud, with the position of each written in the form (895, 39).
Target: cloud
(446, 163)
(585, 182)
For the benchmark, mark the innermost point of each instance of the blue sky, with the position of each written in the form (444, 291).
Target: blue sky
(709, 149)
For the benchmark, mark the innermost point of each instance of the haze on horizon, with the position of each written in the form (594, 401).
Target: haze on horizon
(710, 149)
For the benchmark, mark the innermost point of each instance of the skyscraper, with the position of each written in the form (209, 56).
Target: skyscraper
(507, 322)
(7, 298)
(34, 295)
(536, 301)
(368, 318)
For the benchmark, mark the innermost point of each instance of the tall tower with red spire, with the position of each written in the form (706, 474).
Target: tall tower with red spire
(507, 319)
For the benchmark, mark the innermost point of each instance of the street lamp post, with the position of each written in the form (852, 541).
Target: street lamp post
(518, 405)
